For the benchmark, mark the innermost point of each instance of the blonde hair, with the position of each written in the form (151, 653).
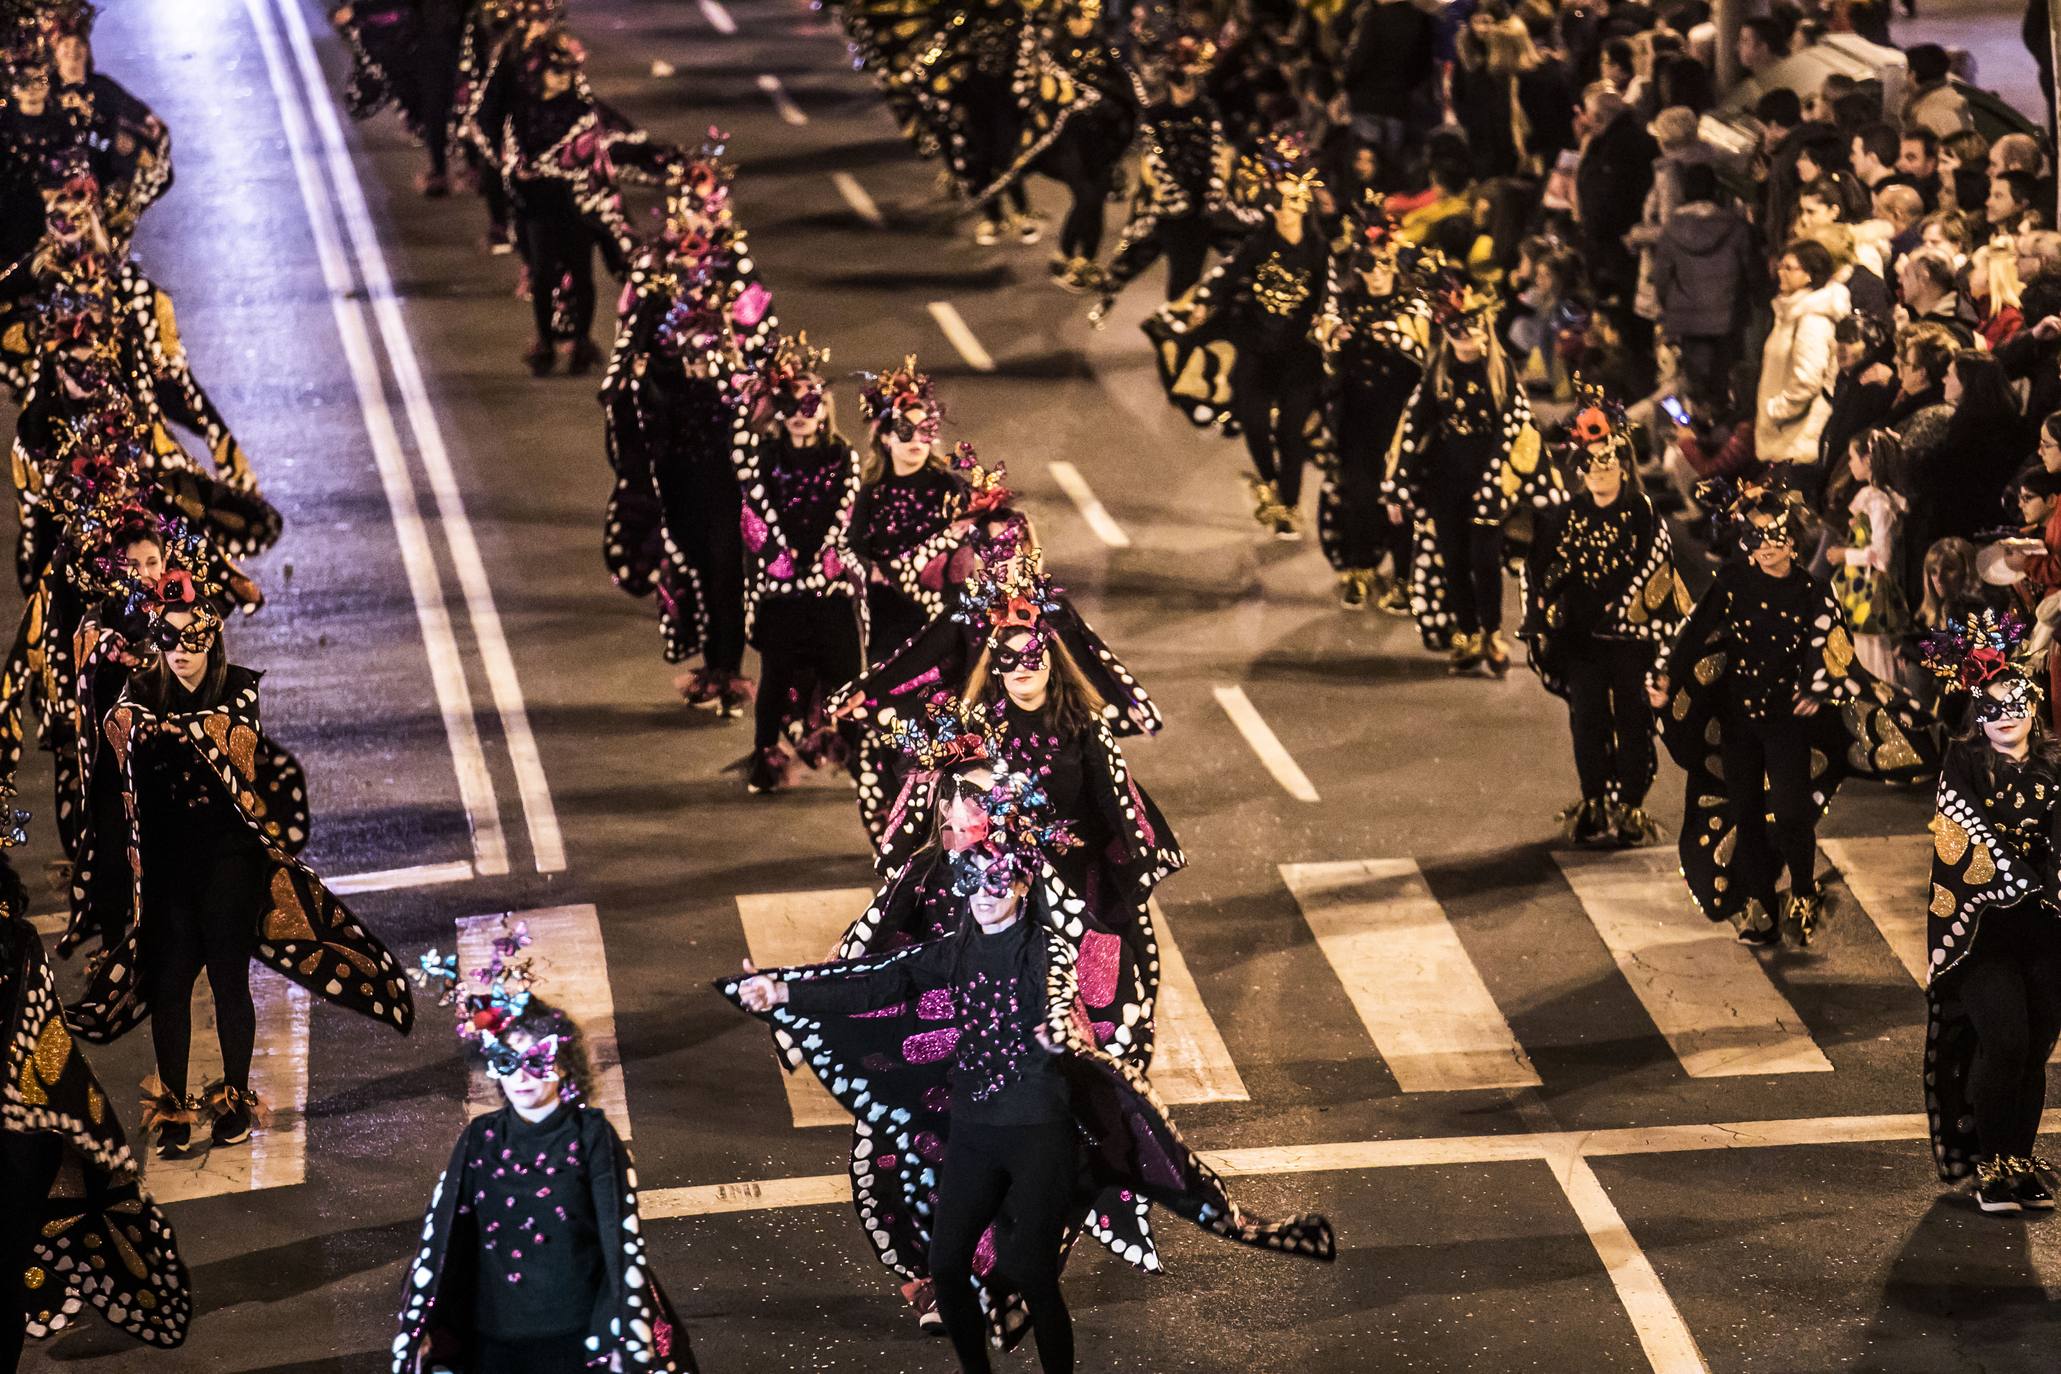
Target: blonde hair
(1836, 239)
(1999, 259)
(876, 464)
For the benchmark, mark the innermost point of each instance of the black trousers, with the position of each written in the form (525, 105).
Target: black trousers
(1767, 767)
(1079, 161)
(891, 620)
(2010, 984)
(702, 505)
(1707, 364)
(29, 1163)
(202, 913)
(1185, 244)
(1610, 718)
(558, 244)
(1021, 1180)
(1359, 532)
(1274, 392)
(808, 648)
(1473, 555)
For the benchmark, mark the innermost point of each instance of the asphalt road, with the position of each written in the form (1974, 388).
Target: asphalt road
(1676, 1157)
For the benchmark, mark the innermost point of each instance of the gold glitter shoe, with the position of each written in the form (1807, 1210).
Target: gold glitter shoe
(1803, 915)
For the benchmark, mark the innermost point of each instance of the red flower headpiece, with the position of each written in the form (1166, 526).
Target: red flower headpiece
(1968, 655)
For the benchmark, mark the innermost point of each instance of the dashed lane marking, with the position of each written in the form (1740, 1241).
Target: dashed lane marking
(718, 18)
(1265, 743)
(856, 196)
(783, 104)
(961, 335)
(1091, 508)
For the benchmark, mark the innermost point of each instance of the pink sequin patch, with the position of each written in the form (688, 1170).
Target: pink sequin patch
(935, 1005)
(1138, 805)
(1105, 1031)
(930, 1046)
(1081, 1023)
(896, 1010)
(1100, 957)
(781, 569)
(833, 566)
(886, 1162)
(753, 529)
(929, 1147)
(984, 1253)
(751, 305)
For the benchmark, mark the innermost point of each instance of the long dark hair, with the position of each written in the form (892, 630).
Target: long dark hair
(151, 685)
(2043, 750)
(1072, 705)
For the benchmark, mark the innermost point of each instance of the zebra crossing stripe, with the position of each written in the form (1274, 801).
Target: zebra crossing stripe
(1706, 993)
(277, 1153)
(783, 928)
(572, 975)
(1890, 877)
(1189, 1064)
(1409, 978)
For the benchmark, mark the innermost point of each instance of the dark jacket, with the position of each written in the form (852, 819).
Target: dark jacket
(1610, 185)
(1390, 58)
(1701, 268)
(1828, 149)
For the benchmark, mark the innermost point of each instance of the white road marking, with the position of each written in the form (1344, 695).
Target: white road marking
(1084, 499)
(396, 879)
(718, 18)
(418, 563)
(1265, 743)
(276, 1155)
(1665, 1337)
(1706, 992)
(1891, 877)
(956, 329)
(786, 928)
(1190, 1062)
(1348, 1156)
(1408, 976)
(546, 841)
(858, 198)
(572, 975)
(783, 104)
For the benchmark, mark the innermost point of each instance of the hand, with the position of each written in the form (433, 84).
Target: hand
(1878, 375)
(1395, 513)
(2015, 562)
(1807, 706)
(1836, 555)
(760, 993)
(342, 15)
(2049, 328)
(1046, 1042)
(1656, 695)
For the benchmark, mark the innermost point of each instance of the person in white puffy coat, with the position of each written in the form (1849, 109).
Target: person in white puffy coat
(1799, 363)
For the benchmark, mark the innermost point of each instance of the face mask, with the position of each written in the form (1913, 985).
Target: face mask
(981, 869)
(2021, 697)
(1775, 536)
(1029, 657)
(907, 431)
(539, 1061)
(805, 403)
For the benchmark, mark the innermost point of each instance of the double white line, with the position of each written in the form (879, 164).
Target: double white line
(332, 192)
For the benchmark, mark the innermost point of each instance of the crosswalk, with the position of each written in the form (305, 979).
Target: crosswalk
(1398, 957)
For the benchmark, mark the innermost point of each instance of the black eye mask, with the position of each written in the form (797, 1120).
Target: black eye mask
(1031, 655)
(804, 403)
(2020, 700)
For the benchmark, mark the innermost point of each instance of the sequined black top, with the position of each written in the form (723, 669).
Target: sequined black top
(1592, 561)
(184, 811)
(2021, 807)
(806, 485)
(540, 1267)
(993, 988)
(1276, 287)
(897, 513)
(1761, 627)
(1181, 145)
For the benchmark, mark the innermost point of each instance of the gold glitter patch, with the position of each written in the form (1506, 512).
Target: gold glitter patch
(1949, 840)
(1981, 867)
(1942, 902)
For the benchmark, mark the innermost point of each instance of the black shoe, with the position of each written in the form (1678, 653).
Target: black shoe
(2030, 1189)
(1591, 823)
(1757, 927)
(538, 358)
(768, 772)
(175, 1141)
(1996, 1189)
(232, 1112)
(1496, 650)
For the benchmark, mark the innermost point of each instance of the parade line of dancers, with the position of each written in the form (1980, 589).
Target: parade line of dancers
(988, 1020)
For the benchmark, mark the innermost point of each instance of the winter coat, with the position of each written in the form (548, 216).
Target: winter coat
(1701, 267)
(1610, 185)
(1797, 369)
(1939, 107)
